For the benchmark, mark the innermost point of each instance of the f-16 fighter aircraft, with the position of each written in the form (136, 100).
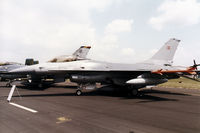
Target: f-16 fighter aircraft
(87, 73)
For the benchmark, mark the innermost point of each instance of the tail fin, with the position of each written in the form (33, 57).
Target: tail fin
(166, 53)
(82, 52)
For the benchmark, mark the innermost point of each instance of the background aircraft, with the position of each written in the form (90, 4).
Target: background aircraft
(87, 73)
(8, 66)
(79, 54)
(194, 76)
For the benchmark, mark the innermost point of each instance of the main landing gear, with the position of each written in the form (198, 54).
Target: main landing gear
(134, 92)
(79, 89)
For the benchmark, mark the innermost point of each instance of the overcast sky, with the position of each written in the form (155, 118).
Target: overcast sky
(126, 31)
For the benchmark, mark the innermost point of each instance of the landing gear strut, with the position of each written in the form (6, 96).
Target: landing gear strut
(9, 83)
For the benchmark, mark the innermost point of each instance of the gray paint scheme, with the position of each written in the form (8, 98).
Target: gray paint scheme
(167, 52)
(86, 72)
(4, 69)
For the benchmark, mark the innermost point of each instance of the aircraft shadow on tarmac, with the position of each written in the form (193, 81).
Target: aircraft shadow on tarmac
(145, 95)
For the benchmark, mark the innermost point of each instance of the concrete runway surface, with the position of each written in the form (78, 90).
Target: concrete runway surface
(59, 110)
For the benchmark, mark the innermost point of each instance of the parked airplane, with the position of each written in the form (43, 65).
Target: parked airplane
(8, 66)
(87, 73)
(194, 76)
(79, 54)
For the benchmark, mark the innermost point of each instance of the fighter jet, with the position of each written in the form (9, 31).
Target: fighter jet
(192, 75)
(86, 73)
(79, 54)
(6, 67)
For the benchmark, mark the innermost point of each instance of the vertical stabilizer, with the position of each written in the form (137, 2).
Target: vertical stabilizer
(82, 52)
(166, 53)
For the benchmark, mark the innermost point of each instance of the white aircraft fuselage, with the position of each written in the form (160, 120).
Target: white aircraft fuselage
(87, 72)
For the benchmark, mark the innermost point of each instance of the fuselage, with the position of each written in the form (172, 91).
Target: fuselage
(90, 65)
(93, 71)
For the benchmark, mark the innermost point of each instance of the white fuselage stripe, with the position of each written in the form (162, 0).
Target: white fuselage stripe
(22, 107)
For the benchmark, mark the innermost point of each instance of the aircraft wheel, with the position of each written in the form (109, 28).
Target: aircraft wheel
(41, 85)
(8, 85)
(78, 92)
(134, 92)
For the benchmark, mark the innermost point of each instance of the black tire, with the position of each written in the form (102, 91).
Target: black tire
(134, 92)
(8, 85)
(40, 85)
(78, 92)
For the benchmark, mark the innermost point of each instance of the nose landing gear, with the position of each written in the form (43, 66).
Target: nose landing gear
(78, 92)
(79, 89)
(88, 86)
